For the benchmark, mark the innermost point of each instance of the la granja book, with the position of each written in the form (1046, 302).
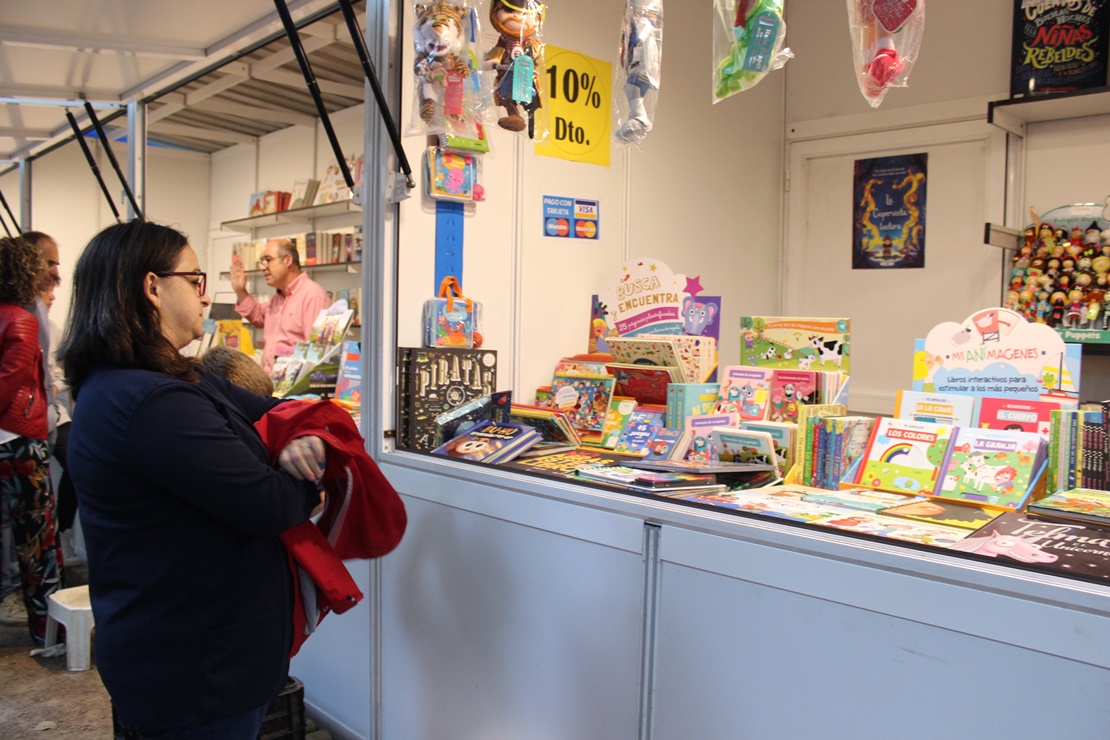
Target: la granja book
(745, 390)
(990, 466)
(905, 456)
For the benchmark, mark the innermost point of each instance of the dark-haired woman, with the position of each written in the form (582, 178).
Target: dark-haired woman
(24, 470)
(180, 506)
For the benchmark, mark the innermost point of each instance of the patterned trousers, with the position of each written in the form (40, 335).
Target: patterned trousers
(25, 493)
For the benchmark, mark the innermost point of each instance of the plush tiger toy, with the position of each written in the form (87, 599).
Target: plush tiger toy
(439, 39)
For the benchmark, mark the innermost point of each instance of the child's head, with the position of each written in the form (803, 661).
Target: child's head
(239, 369)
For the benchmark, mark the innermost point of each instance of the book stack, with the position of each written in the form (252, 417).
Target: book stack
(1080, 504)
(836, 442)
(268, 201)
(434, 380)
(490, 442)
(494, 407)
(647, 481)
(554, 426)
(313, 367)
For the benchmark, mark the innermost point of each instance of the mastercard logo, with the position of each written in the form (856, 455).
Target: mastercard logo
(585, 230)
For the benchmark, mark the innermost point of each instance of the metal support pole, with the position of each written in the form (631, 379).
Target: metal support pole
(136, 156)
(25, 193)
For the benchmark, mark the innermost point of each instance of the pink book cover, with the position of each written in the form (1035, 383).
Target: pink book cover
(790, 388)
(700, 428)
(1013, 413)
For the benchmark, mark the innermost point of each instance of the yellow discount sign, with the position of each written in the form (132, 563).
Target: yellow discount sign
(576, 96)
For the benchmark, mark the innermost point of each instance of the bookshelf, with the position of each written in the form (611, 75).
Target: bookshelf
(292, 217)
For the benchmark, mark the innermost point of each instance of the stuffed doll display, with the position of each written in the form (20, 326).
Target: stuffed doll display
(447, 88)
(517, 60)
(638, 74)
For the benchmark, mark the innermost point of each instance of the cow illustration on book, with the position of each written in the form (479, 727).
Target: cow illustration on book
(828, 351)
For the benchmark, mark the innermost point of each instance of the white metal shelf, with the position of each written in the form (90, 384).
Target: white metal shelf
(1012, 115)
(292, 216)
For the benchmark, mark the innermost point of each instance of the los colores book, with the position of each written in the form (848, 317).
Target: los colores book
(990, 466)
(905, 456)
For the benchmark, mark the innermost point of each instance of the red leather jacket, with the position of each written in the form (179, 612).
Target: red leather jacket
(22, 394)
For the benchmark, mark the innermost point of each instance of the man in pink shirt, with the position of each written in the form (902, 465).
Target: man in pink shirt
(287, 317)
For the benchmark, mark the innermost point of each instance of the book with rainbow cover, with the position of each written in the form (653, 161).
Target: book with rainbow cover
(905, 456)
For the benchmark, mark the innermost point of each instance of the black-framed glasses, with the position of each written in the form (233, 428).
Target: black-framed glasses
(201, 285)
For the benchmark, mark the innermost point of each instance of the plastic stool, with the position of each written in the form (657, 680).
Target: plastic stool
(71, 607)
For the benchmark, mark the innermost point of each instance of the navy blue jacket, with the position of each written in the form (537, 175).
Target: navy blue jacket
(181, 510)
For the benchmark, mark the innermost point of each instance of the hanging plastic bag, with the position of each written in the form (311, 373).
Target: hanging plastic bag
(748, 38)
(886, 36)
(516, 59)
(636, 78)
(447, 95)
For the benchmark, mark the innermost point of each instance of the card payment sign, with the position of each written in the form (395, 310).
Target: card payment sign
(571, 218)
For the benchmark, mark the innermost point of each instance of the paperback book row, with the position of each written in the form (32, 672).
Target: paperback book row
(313, 248)
(308, 192)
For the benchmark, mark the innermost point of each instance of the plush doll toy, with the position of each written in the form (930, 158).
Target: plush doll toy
(515, 58)
(641, 55)
(440, 66)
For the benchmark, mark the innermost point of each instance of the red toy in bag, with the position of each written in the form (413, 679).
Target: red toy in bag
(886, 36)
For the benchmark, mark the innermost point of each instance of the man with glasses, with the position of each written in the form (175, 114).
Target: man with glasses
(287, 317)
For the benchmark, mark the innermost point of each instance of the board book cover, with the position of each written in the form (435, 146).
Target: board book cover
(646, 383)
(865, 499)
(1012, 413)
(745, 390)
(795, 342)
(564, 464)
(938, 408)
(585, 399)
(643, 423)
(690, 399)
(616, 418)
(1069, 548)
(650, 350)
(990, 466)
(948, 513)
(780, 503)
(789, 389)
(1082, 504)
(700, 428)
(734, 444)
(553, 425)
(668, 444)
(904, 456)
(906, 530)
(782, 436)
(489, 442)
(623, 475)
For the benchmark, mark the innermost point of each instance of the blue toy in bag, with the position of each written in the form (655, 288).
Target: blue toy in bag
(451, 320)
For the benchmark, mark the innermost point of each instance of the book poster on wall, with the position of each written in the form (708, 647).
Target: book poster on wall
(1058, 46)
(888, 220)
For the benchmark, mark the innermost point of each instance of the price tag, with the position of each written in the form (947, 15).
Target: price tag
(577, 97)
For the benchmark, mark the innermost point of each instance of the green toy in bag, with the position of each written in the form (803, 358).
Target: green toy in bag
(451, 320)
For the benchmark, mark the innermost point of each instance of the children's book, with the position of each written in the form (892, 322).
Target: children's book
(304, 192)
(1076, 549)
(668, 444)
(553, 425)
(795, 342)
(696, 354)
(646, 383)
(700, 428)
(584, 364)
(623, 475)
(564, 464)
(494, 407)
(616, 418)
(923, 533)
(645, 421)
(803, 438)
(331, 324)
(939, 408)
(990, 466)
(490, 442)
(1014, 413)
(948, 513)
(864, 499)
(1083, 504)
(649, 350)
(743, 446)
(690, 399)
(905, 456)
(585, 398)
(846, 439)
(789, 389)
(780, 503)
(745, 390)
(782, 436)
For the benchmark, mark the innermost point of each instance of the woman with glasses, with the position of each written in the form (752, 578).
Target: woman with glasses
(180, 507)
(24, 471)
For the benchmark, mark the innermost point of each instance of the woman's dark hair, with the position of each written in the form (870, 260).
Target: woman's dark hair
(20, 265)
(111, 321)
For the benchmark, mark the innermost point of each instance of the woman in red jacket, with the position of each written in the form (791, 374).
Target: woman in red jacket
(24, 471)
